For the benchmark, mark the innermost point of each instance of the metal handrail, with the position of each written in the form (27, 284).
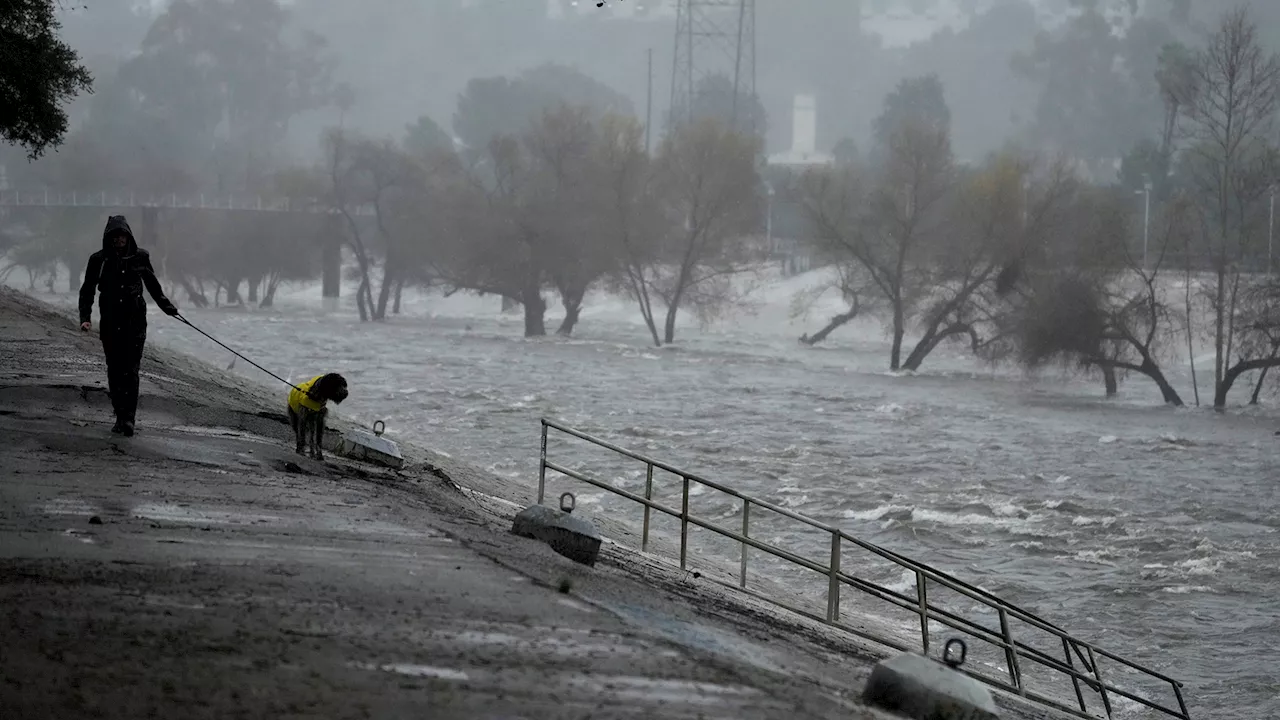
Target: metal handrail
(1002, 638)
(201, 201)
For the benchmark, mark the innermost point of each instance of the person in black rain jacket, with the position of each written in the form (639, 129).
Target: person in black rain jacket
(118, 272)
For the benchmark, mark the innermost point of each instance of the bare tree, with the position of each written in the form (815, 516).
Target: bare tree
(1230, 124)
(707, 180)
(885, 218)
(348, 190)
(856, 289)
(508, 257)
(565, 202)
(1091, 302)
(631, 219)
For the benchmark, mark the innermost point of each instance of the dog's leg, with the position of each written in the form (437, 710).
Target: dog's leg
(319, 438)
(299, 422)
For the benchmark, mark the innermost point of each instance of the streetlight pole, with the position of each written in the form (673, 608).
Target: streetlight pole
(1146, 216)
(768, 222)
(648, 106)
(1271, 227)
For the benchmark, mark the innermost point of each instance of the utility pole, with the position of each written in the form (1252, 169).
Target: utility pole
(709, 32)
(648, 108)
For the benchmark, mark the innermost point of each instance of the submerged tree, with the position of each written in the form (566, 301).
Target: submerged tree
(885, 217)
(1233, 162)
(706, 180)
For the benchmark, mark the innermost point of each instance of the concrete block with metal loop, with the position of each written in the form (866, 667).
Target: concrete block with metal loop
(371, 447)
(922, 688)
(566, 533)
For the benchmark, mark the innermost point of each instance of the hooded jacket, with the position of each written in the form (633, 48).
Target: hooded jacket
(119, 278)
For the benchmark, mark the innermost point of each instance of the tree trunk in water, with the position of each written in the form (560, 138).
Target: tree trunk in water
(1109, 380)
(572, 302)
(1233, 373)
(922, 349)
(395, 309)
(569, 321)
(269, 297)
(1151, 370)
(646, 310)
(197, 297)
(835, 322)
(669, 326)
(233, 292)
(384, 293)
(899, 330)
(361, 299)
(1257, 389)
(253, 289)
(535, 309)
(1219, 338)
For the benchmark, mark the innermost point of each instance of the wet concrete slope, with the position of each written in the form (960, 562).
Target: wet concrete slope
(201, 569)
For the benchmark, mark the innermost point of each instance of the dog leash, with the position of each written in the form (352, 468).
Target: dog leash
(242, 357)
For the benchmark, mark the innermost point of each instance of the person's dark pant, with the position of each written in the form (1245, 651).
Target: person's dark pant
(124, 359)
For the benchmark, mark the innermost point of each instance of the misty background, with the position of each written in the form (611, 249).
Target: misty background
(1071, 74)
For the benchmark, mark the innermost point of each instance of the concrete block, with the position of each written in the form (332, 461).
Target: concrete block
(921, 688)
(567, 534)
(371, 447)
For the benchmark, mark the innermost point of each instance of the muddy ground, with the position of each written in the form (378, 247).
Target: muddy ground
(202, 570)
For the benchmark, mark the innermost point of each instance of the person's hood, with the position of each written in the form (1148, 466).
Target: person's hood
(116, 223)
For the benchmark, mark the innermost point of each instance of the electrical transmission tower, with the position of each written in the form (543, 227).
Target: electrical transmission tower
(713, 37)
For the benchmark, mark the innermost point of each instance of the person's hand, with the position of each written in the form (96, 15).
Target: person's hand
(86, 325)
(171, 310)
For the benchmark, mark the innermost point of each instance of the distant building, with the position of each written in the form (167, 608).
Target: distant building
(787, 230)
(804, 137)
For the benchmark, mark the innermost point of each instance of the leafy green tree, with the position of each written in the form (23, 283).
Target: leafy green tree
(39, 74)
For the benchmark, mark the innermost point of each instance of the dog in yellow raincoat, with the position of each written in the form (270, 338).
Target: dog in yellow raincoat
(307, 410)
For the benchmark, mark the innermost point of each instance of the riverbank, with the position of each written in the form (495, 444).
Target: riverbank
(201, 569)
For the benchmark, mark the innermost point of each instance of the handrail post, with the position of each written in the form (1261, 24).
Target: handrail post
(1182, 704)
(1075, 681)
(746, 532)
(1097, 674)
(1011, 652)
(833, 584)
(684, 522)
(922, 597)
(542, 464)
(648, 496)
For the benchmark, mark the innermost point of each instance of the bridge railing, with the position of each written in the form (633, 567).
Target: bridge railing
(199, 201)
(1015, 651)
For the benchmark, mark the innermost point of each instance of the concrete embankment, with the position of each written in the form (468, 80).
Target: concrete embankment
(201, 569)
